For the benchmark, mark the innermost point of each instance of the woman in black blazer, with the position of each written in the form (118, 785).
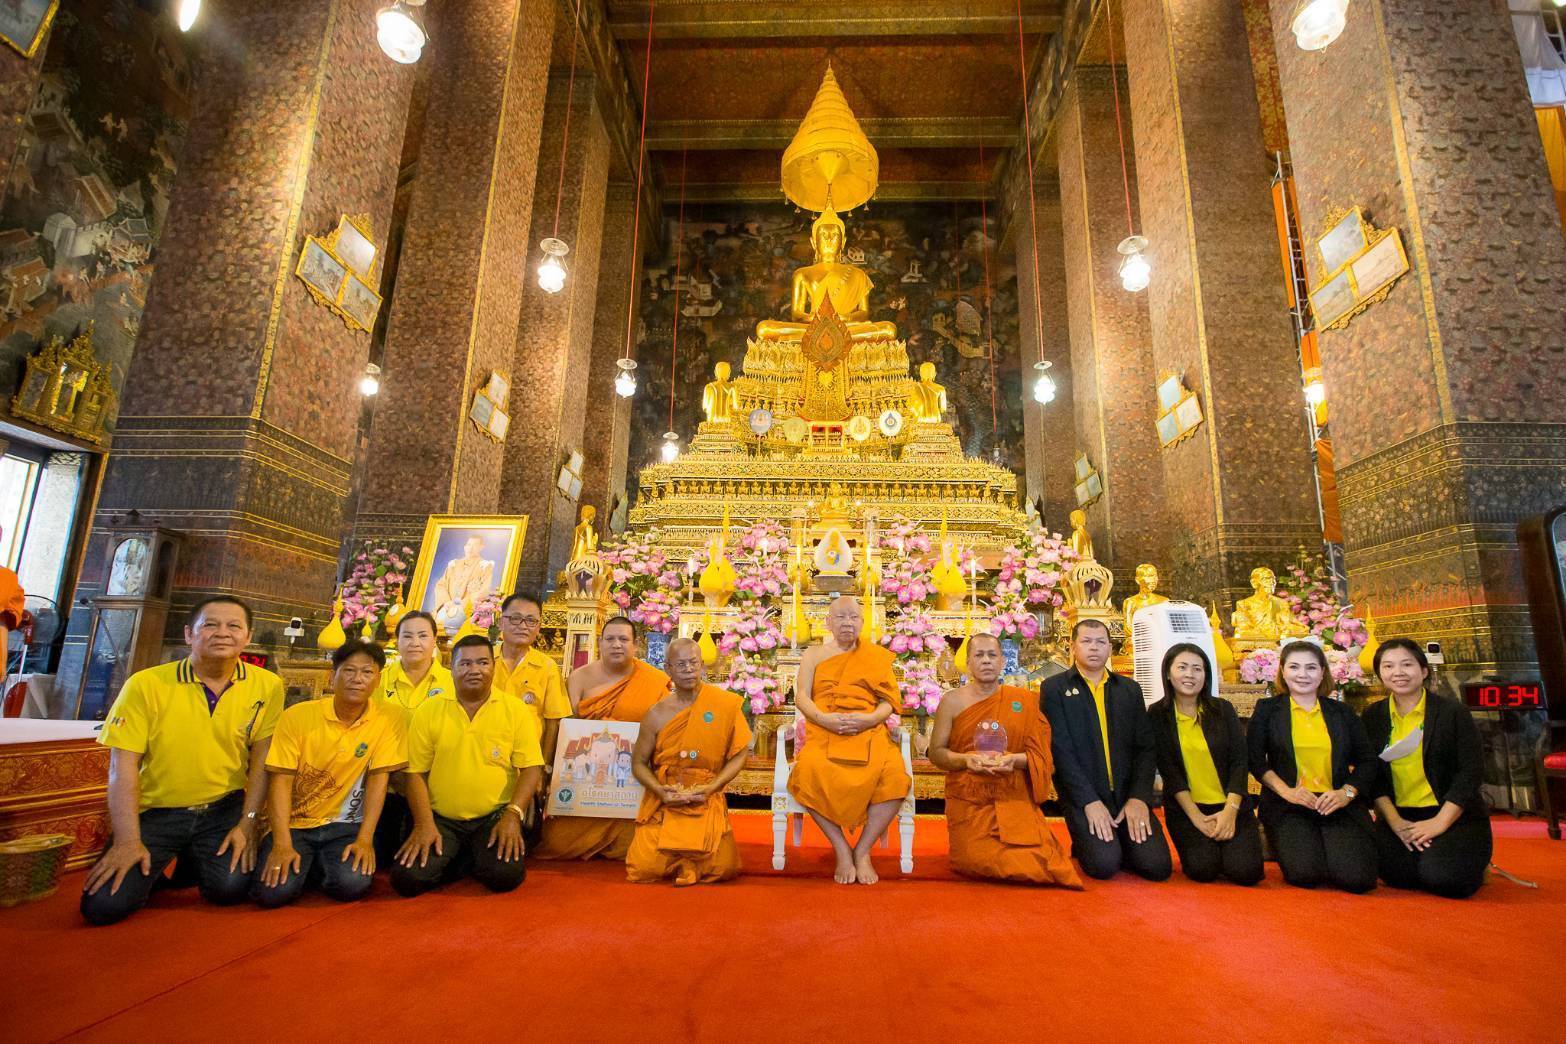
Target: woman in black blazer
(1317, 770)
(1202, 759)
(1433, 831)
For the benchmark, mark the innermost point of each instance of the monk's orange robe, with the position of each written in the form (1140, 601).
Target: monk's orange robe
(995, 825)
(840, 777)
(582, 837)
(691, 843)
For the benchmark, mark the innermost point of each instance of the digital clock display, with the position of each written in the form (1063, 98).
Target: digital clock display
(256, 659)
(1500, 695)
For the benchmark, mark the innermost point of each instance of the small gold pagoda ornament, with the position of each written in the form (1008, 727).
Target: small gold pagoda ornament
(65, 388)
(830, 162)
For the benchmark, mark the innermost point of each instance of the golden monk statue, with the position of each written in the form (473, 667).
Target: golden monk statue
(846, 284)
(927, 398)
(1146, 582)
(720, 399)
(584, 539)
(1264, 617)
(1081, 542)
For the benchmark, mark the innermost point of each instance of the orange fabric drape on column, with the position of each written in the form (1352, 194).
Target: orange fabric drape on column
(1552, 129)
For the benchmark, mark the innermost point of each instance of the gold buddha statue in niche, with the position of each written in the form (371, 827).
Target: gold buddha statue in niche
(927, 398)
(847, 285)
(1146, 595)
(1080, 541)
(1264, 617)
(719, 399)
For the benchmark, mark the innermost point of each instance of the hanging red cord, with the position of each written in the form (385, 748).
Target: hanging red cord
(565, 135)
(679, 255)
(1114, 83)
(1027, 146)
(641, 156)
(989, 312)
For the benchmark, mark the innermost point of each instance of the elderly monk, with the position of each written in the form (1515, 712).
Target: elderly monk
(692, 744)
(849, 772)
(992, 798)
(615, 687)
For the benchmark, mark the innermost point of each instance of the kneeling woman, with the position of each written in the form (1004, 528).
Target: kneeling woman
(1316, 768)
(1434, 830)
(1202, 759)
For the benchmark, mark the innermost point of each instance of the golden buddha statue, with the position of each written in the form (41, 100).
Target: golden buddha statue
(1081, 541)
(835, 508)
(1146, 595)
(1264, 617)
(927, 398)
(584, 538)
(720, 399)
(847, 285)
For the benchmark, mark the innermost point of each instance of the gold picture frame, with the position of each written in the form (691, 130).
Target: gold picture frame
(1345, 239)
(1360, 264)
(358, 302)
(1382, 263)
(322, 272)
(30, 20)
(440, 576)
(352, 244)
(1333, 299)
(1179, 411)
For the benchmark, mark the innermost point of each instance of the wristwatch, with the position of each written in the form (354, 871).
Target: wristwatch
(517, 809)
(1348, 788)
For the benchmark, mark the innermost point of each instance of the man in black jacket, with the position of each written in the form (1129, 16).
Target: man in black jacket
(1104, 762)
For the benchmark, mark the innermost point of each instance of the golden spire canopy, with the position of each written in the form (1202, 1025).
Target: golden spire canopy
(830, 162)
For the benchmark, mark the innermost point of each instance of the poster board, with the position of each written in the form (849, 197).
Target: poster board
(592, 771)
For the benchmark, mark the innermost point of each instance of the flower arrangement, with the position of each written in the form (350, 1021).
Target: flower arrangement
(1034, 567)
(1261, 667)
(921, 686)
(1308, 590)
(912, 636)
(486, 611)
(377, 571)
(1010, 616)
(658, 610)
(760, 562)
(636, 569)
(753, 640)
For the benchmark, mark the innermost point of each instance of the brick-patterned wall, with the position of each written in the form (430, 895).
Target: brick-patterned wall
(1448, 399)
(607, 427)
(1111, 362)
(464, 262)
(1241, 490)
(554, 344)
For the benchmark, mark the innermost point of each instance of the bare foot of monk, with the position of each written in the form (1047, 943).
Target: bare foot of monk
(846, 871)
(864, 870)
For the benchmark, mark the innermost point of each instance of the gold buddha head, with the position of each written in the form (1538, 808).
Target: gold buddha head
(1147, 576)
(826, 235)
(927, 372)
(588, 512)
(1263, 580)
(721, 371)
(1079, 519)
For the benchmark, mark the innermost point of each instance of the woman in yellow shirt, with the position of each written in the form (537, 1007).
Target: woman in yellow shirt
(1202, 759)
(1317, 769)
(1433, 828)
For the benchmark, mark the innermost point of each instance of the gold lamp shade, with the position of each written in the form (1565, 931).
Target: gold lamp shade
(830, 162)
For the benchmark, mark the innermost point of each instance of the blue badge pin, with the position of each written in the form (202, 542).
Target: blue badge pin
(1016, 706)
(361, 750)
(707, 717)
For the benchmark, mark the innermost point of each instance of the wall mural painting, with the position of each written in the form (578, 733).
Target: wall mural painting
(928, 264)
(89, 188)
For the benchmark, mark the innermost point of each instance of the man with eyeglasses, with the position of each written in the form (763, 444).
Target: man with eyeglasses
(528, 674)
(187, 772)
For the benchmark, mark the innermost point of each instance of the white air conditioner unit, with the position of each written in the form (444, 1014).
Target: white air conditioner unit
(1157, 627)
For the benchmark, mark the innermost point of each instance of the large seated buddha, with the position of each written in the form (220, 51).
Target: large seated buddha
(847, 285)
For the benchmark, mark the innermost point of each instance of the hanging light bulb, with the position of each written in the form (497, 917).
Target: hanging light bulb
(551, 273)
(625, 381)
(399, 33)
(1315, 392)
(1135, 272)
(1318, 22)
(370, 383)
(671, 447)
(1044, 384)
(189, 11)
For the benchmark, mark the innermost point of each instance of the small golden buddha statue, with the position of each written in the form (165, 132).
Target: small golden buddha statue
(847, 285)
(1264, 617)
(927, 398)
(584, 538)
(835, 508)
(720, 399)
(1081, 541)
(1146, 595)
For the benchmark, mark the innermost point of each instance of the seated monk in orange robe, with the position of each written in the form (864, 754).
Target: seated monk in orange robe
(615, 687)
(848, 771)
(993, 819)
(692, 744)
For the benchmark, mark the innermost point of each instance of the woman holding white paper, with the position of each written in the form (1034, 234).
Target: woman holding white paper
(1432, 830)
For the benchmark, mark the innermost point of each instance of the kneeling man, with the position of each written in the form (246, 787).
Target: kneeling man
(473, 766)
(849, 772)
(992, 796)
(692, 744)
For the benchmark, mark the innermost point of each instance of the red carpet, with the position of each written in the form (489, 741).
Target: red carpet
(579, 954)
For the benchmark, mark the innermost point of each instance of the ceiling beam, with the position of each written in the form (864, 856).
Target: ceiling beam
(728, 19)
(917, 132)
(895, 192)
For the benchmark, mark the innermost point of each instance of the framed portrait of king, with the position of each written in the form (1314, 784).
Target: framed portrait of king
(462, 560)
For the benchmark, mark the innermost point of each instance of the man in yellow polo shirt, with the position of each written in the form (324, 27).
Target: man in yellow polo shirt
(187, 769)
(415, 677)
(531, 676)
(473, 766)
(329, 763)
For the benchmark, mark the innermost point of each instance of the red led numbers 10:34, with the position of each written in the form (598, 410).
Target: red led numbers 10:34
(1503, 695)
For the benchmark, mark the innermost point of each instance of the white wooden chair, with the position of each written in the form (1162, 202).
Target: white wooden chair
(784, 805)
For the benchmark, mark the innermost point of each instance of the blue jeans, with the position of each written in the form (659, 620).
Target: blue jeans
(320, 862)
(193, 835)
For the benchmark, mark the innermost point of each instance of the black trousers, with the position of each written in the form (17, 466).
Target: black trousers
(1312, 849)
(1238, 859)
(392, 829)
(1104, 859)
(464, 851)
(1453, 866)
(192, 835)
(320, 862)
